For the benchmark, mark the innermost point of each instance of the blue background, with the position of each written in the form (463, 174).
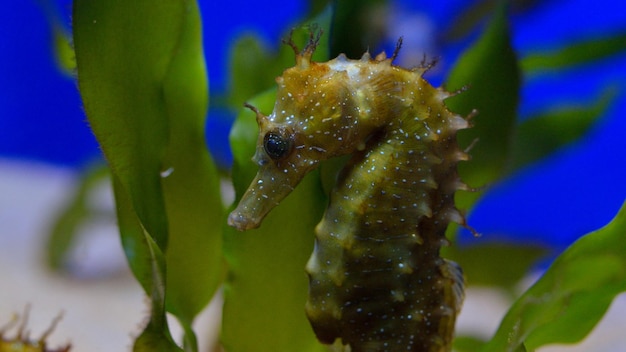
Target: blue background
(552, 202)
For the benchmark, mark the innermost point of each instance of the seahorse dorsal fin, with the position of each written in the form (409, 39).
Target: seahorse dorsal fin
(453, 271)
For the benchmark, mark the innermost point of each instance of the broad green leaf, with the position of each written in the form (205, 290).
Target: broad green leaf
(190, 181)
(571, 297)
(148, 265)
(476, 12)
(123, 52)
(66, 226)
(254, 68)
(61, 38)
(64, 53)
(540, 135)
(143, 82)
(574, 54)
(483, 264)
(467, 344)
(489, 71)
(266, 289)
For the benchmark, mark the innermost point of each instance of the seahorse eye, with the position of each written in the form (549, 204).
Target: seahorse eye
(276, 145)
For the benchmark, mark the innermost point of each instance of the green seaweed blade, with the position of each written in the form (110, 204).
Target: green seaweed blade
(192, 195)
(266, 287)
(145, 255)
(571, 297)
(541, 135)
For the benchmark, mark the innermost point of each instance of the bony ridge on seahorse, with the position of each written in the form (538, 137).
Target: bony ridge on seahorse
(376, 280)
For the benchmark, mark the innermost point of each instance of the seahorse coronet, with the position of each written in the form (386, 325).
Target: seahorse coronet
(376, 279)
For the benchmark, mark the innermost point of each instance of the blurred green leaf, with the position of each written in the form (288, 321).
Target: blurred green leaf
(66, 226)
(496, 264)
(143, 81)
(575, 54)
(123, 51)
(566, 303)
(316, 6)
(476, 12)
(489, 70)
(541, 135)
(148, 265)
(266, 289)
(253, 69)
(190, 181)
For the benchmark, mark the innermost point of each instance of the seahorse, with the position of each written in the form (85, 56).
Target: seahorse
(376, 278)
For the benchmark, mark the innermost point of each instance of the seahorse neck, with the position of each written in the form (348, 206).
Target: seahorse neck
(399, 182)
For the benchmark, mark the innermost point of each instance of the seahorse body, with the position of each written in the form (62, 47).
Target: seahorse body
(377, 281)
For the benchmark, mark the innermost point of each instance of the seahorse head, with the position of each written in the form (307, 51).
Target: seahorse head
(315, 117)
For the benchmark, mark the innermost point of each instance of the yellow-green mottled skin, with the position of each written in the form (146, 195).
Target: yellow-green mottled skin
(377, 281)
